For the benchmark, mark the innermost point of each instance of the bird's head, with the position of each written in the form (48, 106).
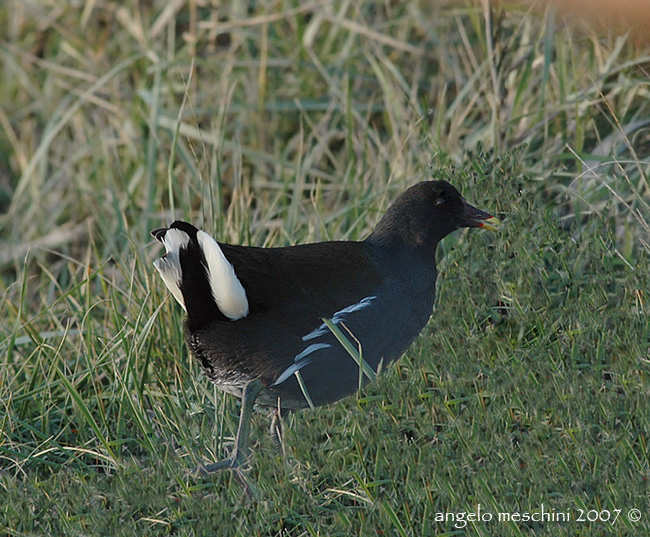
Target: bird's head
(426, 213)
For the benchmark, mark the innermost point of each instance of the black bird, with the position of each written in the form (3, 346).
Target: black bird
(263, 322)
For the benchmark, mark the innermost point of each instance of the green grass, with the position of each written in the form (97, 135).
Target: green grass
(301, 122)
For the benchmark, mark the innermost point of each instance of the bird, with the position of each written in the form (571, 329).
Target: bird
(303, 326)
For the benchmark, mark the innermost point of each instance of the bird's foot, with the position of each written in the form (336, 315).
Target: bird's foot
(276, 432)
(236, 463)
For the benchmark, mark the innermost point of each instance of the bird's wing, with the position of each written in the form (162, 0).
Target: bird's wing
(312, 279)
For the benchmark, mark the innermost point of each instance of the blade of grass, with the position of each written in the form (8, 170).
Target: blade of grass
(87, 414)
(364, 366)
(303, 388)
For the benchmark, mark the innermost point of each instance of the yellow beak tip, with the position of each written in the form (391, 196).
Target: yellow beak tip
(492, 223)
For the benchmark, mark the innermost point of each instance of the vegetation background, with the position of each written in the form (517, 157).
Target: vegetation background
(273, 123)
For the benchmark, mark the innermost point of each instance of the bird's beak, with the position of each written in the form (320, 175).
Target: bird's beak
(474, 217)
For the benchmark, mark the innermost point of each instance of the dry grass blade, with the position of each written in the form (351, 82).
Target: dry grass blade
(12, 252)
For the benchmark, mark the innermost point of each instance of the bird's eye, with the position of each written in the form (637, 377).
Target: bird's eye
(441, 199)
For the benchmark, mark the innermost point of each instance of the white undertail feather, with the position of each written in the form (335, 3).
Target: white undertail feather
(227, 290)
(169, 267)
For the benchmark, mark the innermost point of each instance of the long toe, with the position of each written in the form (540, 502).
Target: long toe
(213, 467)
(237, 467)
(234, 462)
(275, 431)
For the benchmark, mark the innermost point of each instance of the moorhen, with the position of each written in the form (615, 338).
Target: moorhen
(303, 326)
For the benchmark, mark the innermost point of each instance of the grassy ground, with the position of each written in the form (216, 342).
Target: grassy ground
(528, 390)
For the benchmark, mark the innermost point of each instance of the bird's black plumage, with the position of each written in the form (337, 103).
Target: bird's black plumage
(380, 291)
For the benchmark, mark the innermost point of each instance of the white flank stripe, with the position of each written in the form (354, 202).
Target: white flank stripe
(338, 317)
(227, 290)
(301, 359)
(312, 348)
(300, 362)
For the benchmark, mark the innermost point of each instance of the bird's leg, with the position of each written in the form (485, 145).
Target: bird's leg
(276, 430)
(237, 459)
